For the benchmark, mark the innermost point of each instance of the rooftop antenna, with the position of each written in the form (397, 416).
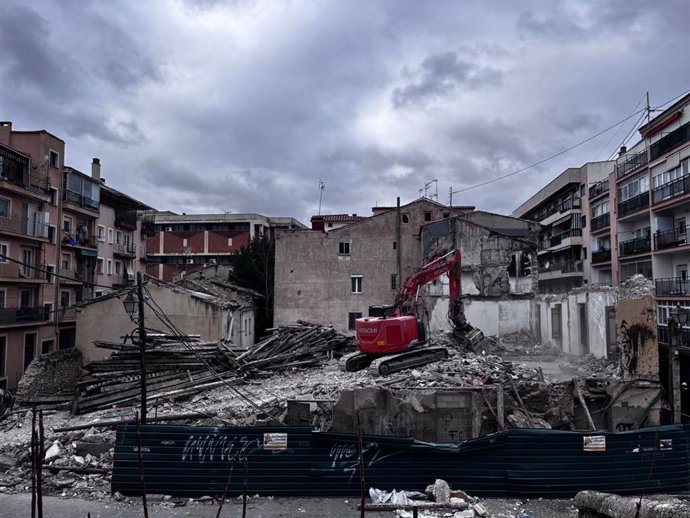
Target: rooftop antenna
(322, 186)
(426, 190)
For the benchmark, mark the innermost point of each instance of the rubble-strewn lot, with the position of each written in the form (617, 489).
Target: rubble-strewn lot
(257, 399)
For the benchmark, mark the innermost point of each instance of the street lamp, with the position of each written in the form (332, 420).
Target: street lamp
(130, 304)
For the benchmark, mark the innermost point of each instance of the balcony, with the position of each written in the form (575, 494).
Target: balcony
(634, 204)
(16, 271)
(632, 163)
(76, 275)
(572, 202)
(123, 280)
(563, 267)
(670, 141)
(128, 250)
(601, 256)
(670, 238)
(638, 245)
(672, 286)
(72, 198)
(126, 219)
(29, 227)
(663, 335)
(601, 221)
(599, 188)
(672, 189)
(24, 315)
(556, 240)
(82, 241)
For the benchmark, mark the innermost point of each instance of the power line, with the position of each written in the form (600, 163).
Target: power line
(555, 155)
(47, 272)
(616, 132)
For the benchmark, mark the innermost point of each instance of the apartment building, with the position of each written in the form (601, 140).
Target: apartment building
(184, 242)
(124, 224)
(563, 208)
(30, 177)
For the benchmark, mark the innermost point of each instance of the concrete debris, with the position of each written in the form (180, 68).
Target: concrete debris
(439, 490)
(605, 505)
(636, 287)
(50, 378)
(589, 365)
(6, 402)
(53, 452)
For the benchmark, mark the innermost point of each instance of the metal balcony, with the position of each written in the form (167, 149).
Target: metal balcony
(84, 241)
(24, 315)
(125, 249)
(635, 246)
(601, 256)
(672, 189)
(663, 335)
(670, 238)
(672, 286)
(631, 163)
(598, 188)
(23, 226)
(601, 221)
(634, 204)
(81, 201)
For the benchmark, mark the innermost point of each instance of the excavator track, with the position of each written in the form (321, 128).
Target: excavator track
(385, 365)
(354, 362)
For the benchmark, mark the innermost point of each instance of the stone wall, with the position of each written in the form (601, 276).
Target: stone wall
(50, 373)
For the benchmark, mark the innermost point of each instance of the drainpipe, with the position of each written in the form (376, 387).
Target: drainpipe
(58, 260)
(398, 240)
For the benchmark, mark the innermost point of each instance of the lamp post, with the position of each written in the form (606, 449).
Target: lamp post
(130, 304)
(678, 318)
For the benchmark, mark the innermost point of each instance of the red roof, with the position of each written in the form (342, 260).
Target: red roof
(338, 218)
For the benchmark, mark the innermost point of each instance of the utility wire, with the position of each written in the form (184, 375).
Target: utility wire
(158, 311)
(53, 274)
(628, 136)
(555, 155)
(616, 132)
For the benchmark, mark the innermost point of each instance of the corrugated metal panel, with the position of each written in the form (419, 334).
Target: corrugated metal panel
(189, 461)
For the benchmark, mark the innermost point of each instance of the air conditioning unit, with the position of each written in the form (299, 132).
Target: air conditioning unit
(168, 229)
(130, 277)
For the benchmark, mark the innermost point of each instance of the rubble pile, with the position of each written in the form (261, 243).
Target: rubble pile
(591, 366)
(636, 287)
(525, 344)
(300, 345)
(175, 367)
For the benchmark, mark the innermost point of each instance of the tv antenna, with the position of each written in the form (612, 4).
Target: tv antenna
(322, 186)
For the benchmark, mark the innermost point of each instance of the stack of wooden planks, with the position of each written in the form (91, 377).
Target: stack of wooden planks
(299, 345)
(175, 367)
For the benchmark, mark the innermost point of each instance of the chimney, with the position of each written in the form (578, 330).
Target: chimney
(96, 169)
(5, 132)
(623, 151)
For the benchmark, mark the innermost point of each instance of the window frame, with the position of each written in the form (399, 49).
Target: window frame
(101, 237)
(9, 207)
(344, 248)
(356, 284)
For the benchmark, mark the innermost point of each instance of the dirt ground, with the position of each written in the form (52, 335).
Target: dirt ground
(19, 506)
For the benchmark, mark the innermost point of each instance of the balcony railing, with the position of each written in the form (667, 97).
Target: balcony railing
(81, 201)
(10, 270)
(572, 202)
(635, 246)
(30, 182)
(598, 188)
(663, 336)
(601, 221)
(122, 280)
(632, 163)
(672, 286)
(558, 239)
(634, 204)
(77, 274)
(25, 226)
(126, 219)
(669, 190)
(126, 249)
(601, 256)
(670, 238)
(563, 267)
(23, 315)
(85, 241)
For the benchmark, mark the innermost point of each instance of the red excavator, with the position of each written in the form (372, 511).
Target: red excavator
(393, 337)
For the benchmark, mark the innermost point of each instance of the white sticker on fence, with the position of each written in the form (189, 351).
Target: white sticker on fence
(275, 441)
(594, 443)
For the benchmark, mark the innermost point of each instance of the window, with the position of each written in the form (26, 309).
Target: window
(109, 271)
(54, 159)
(118, 238)
(53, 196)
(67, 224)
(4, 252)
(395, 245)
(66, 261)
(110, 236)
(601, 208)
(48, 310)
(51, 234)
(229, 241)
(99, 293)
(556, 322)
(3, 296)
(118, 267)
(184, 242)
(64, 299)
(29, 348)
(344, 248)
(100, 267)
(633, 187)
(394, 281)
(4, 208)
(101, 233)
(47, 346)
(27, 262)
(351, 317)
(405, 218)
(427, 215)
(356, 283)
(50, 270)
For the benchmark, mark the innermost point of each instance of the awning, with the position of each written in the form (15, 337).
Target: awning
(89, 253)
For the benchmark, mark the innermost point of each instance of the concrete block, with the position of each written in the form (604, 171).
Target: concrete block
(94, 449)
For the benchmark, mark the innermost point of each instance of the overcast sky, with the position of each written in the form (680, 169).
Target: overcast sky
(243, 105)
